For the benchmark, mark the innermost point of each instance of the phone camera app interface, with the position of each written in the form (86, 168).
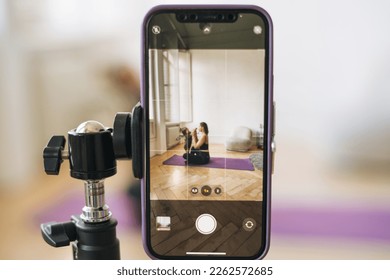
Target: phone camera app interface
(206, 96)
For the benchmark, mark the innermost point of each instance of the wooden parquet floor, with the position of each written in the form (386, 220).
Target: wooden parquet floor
(176, 182)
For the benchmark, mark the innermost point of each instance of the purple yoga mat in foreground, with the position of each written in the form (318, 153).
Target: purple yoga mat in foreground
(215, 162)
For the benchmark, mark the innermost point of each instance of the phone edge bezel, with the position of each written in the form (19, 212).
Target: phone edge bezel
(269, 100)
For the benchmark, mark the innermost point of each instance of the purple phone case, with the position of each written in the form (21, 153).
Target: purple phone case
(270, 109)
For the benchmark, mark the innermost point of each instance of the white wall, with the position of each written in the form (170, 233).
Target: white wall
(56, 61)
(228, 90)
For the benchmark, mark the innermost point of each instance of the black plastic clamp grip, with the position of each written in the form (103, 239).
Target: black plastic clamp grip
(52, 155)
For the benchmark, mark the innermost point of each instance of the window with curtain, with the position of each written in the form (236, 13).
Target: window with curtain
(177, 85)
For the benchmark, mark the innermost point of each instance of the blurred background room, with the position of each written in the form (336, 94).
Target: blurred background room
(65, 62)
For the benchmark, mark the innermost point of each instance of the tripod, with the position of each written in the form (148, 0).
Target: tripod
(92, 153)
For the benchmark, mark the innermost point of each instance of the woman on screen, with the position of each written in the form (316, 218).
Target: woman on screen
(199, 153)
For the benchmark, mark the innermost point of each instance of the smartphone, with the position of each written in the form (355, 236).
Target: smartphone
(208, 113)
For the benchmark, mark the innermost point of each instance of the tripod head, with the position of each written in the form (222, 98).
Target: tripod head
(92, 153)
(93, 148)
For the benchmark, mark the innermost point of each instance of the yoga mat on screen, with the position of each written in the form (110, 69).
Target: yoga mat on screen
(215, 162)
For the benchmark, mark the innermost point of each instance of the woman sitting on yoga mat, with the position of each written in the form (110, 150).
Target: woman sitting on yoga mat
(199, 153)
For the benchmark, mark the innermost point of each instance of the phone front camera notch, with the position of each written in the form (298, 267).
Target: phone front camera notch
(193, 17)
(231, 17)
(182, 17)
(220, 17)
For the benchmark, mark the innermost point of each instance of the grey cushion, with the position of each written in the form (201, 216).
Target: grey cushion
(240, 139)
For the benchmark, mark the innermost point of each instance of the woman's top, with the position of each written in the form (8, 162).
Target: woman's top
(204, 147)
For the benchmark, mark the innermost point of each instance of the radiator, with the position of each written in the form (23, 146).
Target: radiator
(173, 132)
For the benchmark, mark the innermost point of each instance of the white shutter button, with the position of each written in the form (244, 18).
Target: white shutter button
(206, 224)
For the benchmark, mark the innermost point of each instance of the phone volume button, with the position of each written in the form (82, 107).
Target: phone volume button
(273, 143)
(273, 118)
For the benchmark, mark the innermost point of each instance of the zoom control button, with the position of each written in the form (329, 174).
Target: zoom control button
(206, 190)
(249, 224)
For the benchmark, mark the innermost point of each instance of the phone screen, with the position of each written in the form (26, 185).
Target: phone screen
(206, 100)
